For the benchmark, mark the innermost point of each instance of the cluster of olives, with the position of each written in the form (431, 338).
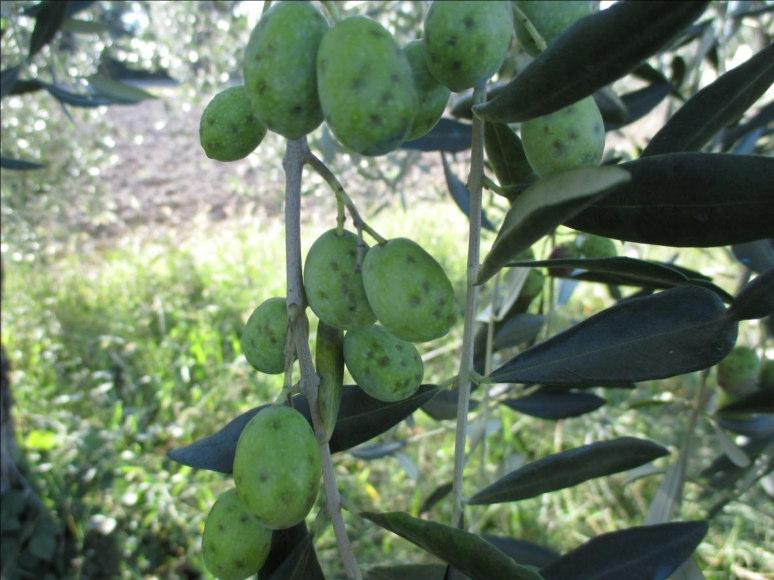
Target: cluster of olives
(398, 283)
(374, 95)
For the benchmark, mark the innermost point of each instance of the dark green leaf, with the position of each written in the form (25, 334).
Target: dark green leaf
(757, 255)
(611, 107)
(438, 494)
(544, 205)
(518, 329)
(301, 563)
(283, 544)
(687, 199)
(19, 164)
(462, 105)
(120, 93)
(447, 135)
(467, 552)
(651, 552)
(764, 117)
(551, 404)
(460, 193)
(622, 271)
(641, 102)
(756, 300)
(377, 450)
(47, 23)
(329, 363)
(679, 68)
(524, 552)
(506, 154)
(753, 426)
(24, 86)
(360, 418)
(569, 468)
(715, 106)
(82, 100)
(444, 405)
(676, 331)
(8, 80)
(761, 401)
(592, 53)
(408, 572)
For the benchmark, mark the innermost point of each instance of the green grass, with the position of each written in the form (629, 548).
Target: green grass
(120, 355)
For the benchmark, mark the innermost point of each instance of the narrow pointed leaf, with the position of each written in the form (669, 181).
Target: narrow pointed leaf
(506, 154)
(611, 107)
(460, 194)
(467, 552)
(447, 135)
(569, 468)
(377, 450)
(550, 404)
(524, 552)
(288, 547)
(676, 331)
(408, 572)
(715, 106)
(444, 405)
(756, 300)
(20, 164)
(518, 329)
(8, 79)
(641, 102)
(360, 418)
(543, 206)
(687, 199)
(758, 255)
(651, 552)
(83, 100)
(48, 21)
(301, 564)
(329, 362)
(462, 105)
(760, 401)
(438, 494)
(120, 93)
(764, 117)
(592, 53)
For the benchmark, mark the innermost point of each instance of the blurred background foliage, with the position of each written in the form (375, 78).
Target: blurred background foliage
(131, 263)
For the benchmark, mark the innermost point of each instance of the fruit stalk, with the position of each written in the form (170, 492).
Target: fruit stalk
(475, 180)
(293, 163)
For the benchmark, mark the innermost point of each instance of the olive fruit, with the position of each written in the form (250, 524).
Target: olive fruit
(565, 251)
(550, 18)
(333, 283)
(235, 543)
(432, 95)
(365, 86)
(280, 68)
(466, 42)
(408, 291)
(228, 129)
(598, 247)
(277, 467)
(384, 366)
(738, 372)
(263, 339)
(570, 137)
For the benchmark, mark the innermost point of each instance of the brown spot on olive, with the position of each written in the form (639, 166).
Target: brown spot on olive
(598, 128)
(572, 135)
(334, 265)
(352, 253)
(399, 347)
(383, 361)
(394, 78)
(425, 285)
(451, 41)
(221, 527)
(323, 295)
(369, 354)
(456, 65)
(376, 33)
(239, 563)
(297, 109)
(411, 259)
(323, 64)
(375, 119)
(557, 145)
(351, 308)
(480, 47)
(469, 22)
(415, 300)
(243, 519)
(210, 121)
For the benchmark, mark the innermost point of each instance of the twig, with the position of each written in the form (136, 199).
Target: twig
(490, 328)
(341, 196)
(293, 164)
(466, 359)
